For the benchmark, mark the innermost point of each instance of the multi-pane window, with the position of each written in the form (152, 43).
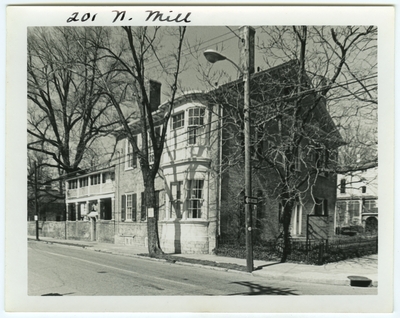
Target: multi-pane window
(131, 157)
(195, 198)
(128, 207)
(343, 186)
(176, 200)
(178, 120)
(321, 207)
(196, 116)
(73, 184)
(195, 124)
(95, 179)
(369, 206)
(83, 182)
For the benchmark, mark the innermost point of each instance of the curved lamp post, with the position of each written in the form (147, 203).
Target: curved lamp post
(213, 56)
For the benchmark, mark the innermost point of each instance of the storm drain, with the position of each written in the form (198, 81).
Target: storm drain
(360, 281)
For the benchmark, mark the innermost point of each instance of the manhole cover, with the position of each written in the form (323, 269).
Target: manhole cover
(360, 281)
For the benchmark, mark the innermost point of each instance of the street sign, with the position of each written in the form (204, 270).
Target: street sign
(250, 200)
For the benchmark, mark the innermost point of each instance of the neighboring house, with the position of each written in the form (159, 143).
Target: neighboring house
(90, 197)
(357, 198)
(194, 189)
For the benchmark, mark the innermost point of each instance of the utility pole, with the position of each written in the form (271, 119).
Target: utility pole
(247, 64)
(36, 202)
(246, 68)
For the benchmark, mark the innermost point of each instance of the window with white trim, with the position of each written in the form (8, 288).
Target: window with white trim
(195, 125)
(131, 157)
(195, 198)
(128, 207)
(178, 120)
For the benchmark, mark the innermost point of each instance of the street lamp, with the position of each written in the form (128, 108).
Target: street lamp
(213, 56)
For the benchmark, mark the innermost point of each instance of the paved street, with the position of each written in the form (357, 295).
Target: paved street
(66, 270)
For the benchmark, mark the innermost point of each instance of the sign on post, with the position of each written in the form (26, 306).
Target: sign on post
(250, 200)
(150, 212)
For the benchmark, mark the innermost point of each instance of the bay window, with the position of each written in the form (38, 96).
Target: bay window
(195, 198)
(178, 120)
(195, 125)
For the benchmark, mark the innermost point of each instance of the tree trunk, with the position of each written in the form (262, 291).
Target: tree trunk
(286, 219)
(152, 219)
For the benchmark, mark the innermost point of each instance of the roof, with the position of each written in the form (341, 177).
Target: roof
(82, 173)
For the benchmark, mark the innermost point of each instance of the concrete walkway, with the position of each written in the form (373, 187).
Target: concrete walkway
(332, 273)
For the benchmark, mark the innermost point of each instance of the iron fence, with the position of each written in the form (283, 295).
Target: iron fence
(316, 252)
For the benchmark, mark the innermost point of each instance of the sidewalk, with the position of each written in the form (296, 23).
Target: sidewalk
(332, 274)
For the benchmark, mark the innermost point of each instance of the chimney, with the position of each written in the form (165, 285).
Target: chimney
(153, 89)
(246, 57)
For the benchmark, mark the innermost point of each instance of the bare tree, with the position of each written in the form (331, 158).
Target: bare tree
(66, 112)
(128, 57)
(314, 72)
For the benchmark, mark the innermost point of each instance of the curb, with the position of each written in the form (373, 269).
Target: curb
(270, 275)
(337, 281)
(95, 249)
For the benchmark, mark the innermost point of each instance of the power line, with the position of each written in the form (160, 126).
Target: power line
(339, 84)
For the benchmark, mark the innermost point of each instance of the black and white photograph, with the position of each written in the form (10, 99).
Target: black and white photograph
(168, 154)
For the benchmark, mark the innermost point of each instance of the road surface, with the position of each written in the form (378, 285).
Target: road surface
(55, 269)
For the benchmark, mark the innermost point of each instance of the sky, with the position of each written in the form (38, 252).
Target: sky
(224, 39)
